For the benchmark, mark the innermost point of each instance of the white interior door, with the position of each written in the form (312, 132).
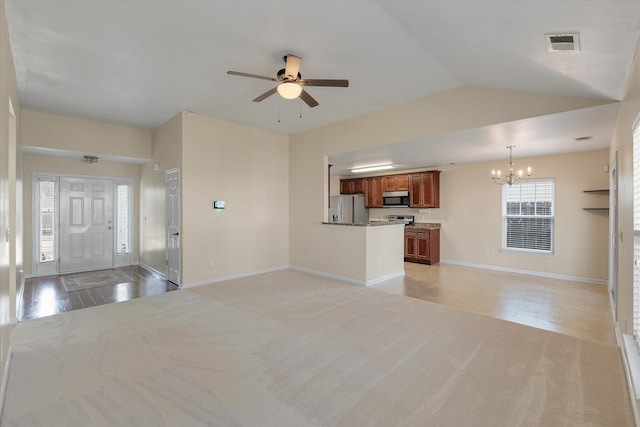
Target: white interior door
(172, 182)
(86, 224)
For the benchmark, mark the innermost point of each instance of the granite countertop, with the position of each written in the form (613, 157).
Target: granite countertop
(424, 225)
(366, 224)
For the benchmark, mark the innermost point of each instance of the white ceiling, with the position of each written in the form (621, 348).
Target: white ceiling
(139, 62)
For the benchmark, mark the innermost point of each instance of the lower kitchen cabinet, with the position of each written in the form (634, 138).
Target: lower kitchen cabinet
(422, 245)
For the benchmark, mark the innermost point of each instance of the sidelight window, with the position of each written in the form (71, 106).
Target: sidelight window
(528, 216)
(47, 215)
(123, 210)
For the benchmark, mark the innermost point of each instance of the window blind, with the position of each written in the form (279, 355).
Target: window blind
(47, 217)
(528, 215)
(122, 218)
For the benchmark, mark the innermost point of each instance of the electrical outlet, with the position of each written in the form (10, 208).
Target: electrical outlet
(210, 264)
(312, 255)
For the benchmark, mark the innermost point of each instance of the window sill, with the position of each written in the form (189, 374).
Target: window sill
(527, 253)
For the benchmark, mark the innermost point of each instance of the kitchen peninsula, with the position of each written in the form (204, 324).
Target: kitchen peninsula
(363, 253)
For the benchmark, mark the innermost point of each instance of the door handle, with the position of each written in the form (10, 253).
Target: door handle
(176, 234)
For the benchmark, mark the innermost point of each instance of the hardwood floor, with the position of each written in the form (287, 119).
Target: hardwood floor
(45, 296)
(572, 308)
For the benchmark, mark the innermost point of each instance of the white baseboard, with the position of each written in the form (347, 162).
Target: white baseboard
(527, 272)
(233, 276)
(152, 270)
(631, 365)
(372, 282)
(5, 380)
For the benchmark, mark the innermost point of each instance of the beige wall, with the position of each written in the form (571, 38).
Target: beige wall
(458, 109)
(167, 154)
(9, 223)
(53, 131)
(60, 165)
(623, 145)
(247, 168)
(469, 198)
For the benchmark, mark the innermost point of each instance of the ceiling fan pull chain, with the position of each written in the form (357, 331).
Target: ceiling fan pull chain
(300, 106)
(278, 110)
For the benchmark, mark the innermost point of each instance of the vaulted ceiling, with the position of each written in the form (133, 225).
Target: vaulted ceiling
(138, 63)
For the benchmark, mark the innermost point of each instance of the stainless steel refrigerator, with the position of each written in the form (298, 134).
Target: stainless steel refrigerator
(348, 209)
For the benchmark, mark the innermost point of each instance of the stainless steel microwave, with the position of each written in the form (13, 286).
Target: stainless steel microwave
(395, 199)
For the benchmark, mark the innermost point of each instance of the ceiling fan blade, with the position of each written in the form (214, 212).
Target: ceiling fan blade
(266, 94)
(325, 82)
(255, 76)
(293, 66)
(308, 99)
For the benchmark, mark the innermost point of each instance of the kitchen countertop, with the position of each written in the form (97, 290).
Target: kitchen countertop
(366, 224)
(424, 226)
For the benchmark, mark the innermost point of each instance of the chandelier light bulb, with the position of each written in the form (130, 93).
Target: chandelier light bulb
(512, 176)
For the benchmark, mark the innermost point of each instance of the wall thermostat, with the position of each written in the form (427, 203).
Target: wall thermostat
(218, 204)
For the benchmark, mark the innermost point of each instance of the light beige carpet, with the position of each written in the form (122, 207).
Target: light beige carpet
(94, 279)
(291, 349)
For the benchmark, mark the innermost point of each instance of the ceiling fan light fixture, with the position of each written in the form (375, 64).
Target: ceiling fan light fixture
(289, 90)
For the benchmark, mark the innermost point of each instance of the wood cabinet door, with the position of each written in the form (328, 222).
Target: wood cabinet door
(422, 245)
(346, 186)
(358, 186)
(415, 193)
(402, 182)
(409, 245)
(378, 185)
(431, 189)
(369, 196)
(426, 185)
(390, 183)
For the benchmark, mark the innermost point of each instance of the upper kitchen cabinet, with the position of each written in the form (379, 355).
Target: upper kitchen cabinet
(352, 186)
(396, 183)
(374, 187)
(425, 190)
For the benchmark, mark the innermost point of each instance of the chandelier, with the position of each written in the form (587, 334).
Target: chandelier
(511, 177)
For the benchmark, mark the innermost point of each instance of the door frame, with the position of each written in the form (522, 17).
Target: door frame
(613, 234)
(41, 269)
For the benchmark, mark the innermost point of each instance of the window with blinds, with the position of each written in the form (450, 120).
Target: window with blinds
(636, 232)
(122, 218)
(46, 232)
(528, 216)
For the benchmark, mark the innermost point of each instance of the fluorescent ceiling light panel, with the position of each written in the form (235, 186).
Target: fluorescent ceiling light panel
(372, 168)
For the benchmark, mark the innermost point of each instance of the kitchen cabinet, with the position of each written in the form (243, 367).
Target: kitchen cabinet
(422, 245)
(352, 186)
(425, 190)
(373, 192)
(396, 183)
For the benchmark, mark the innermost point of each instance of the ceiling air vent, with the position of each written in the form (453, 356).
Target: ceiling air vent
(583, 138)
(563, 42)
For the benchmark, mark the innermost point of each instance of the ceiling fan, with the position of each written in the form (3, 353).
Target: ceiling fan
(291, 82)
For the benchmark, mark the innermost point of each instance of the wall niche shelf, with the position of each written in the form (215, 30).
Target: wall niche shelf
(601, 192)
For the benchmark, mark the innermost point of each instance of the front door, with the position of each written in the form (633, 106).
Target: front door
(172, 182)
(86, 224)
